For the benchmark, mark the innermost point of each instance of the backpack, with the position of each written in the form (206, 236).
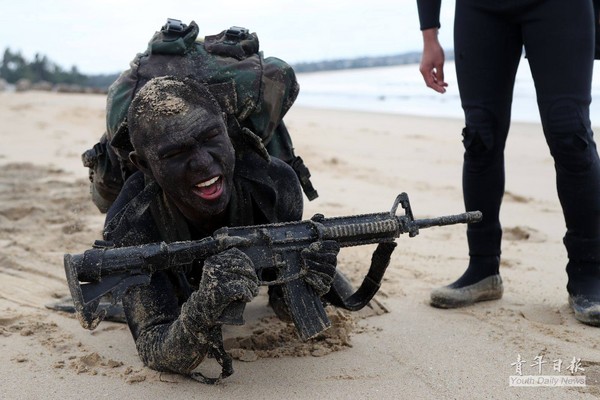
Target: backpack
(254, 92)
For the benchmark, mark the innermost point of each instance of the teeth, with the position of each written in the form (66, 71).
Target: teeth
(208, 182)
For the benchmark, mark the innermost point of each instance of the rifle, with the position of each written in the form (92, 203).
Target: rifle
(111, 271)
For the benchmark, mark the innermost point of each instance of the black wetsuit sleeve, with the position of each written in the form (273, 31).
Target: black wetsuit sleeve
(429, 13)
(163, 342)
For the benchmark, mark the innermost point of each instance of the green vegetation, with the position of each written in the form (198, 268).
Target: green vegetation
(14, 67)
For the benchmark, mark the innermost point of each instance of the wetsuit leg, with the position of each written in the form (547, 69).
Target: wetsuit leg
(561, 58)
(488, 48)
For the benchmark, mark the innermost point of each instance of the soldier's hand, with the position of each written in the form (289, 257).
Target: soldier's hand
(320, 260)
(227, 277)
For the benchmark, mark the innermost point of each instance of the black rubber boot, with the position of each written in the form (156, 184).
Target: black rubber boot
(480, 282)
(583, 270)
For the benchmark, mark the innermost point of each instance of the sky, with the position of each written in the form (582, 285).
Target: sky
(103, 36)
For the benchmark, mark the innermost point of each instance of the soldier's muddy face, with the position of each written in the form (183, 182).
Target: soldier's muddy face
(191, 157)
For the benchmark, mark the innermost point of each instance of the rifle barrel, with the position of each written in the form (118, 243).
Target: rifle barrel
(464, 218)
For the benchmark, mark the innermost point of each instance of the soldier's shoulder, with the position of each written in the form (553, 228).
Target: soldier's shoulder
(129, 220)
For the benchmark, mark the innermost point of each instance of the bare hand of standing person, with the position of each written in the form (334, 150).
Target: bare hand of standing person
(432, 61)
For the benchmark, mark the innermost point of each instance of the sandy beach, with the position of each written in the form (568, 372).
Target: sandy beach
(360, 162)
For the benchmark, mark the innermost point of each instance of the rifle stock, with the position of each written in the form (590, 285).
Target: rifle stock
(273, 247)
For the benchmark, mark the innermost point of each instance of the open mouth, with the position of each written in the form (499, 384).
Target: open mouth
(210, 189)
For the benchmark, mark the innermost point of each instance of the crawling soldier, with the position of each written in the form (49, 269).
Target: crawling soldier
(198, 172)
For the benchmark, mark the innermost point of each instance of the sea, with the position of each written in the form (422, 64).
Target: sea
(401, 90)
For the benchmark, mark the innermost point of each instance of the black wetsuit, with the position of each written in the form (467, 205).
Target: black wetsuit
(263, 193)
(558, 38)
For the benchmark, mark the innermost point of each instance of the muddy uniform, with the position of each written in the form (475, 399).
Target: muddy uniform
(263, 193)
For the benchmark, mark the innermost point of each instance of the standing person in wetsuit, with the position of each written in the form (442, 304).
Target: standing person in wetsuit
(558, 37)
(197, 173)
